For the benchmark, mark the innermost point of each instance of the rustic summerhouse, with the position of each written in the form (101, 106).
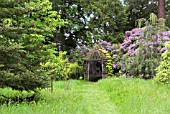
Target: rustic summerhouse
(95, 65)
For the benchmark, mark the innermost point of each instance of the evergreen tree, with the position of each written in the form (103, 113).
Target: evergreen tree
(138, 9)
(26, 27)
(167, 12)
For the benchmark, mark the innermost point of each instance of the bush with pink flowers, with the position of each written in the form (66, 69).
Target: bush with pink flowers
(140, 53)
(142, 48)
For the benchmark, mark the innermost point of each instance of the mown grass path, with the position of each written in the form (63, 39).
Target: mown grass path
(95, 100)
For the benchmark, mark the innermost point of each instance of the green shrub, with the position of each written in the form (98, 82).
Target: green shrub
(57, 66)
(25, 81)
(163, 71)
(74, 71)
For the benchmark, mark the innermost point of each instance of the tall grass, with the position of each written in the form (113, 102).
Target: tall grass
(137, 96)
(108, 96)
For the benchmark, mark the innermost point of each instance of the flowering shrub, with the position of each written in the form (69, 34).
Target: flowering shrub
(140, 53)
(114, 51)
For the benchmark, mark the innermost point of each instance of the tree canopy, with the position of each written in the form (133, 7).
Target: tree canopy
(90, 21)
(142, 9)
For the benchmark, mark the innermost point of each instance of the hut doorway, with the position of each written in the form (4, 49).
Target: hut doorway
(95, 71)
(95, 65)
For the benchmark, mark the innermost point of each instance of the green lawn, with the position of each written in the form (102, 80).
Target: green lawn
(108, 96)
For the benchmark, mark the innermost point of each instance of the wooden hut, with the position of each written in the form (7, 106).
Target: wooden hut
(95, 65)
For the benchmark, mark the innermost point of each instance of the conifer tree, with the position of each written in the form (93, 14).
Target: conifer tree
(26, 27)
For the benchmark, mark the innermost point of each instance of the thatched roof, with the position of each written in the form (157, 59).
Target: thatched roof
(95, 54)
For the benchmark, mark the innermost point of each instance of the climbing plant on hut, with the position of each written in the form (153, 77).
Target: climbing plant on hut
(109, 62)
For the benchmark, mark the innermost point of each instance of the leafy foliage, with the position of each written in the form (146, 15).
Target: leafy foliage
(74, 71)
(167, 13)
(107, 20)
(138, 9)
(89, 22)
(109, 62)
(59, 68)
(114, 51)
(25, 31)
(74, 29)
(9, 96)
(163, 70)
(56, 67)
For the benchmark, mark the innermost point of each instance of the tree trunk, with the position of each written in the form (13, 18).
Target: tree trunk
(161, 8)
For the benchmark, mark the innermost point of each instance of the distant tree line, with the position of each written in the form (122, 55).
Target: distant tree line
(90, 21)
